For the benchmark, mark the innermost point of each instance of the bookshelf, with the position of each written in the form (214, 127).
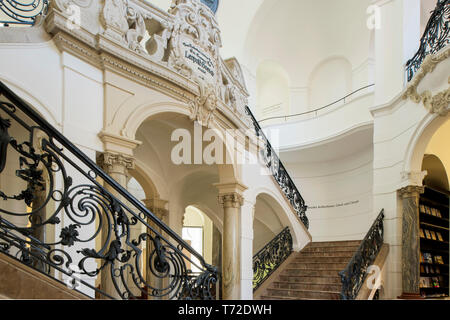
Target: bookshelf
(434, 243)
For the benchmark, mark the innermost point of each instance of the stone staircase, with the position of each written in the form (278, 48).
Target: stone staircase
(312, 274)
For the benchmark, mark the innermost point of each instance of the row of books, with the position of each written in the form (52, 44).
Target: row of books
(432, 235)
(431, 211)
(430, 269)
(431, 282)
(426, 257)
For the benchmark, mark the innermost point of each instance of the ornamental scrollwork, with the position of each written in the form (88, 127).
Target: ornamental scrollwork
(354, 275)
(269, 258)
(58, 211)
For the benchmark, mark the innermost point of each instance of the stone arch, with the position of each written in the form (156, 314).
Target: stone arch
(285, 214)
(227, 172)
(150, 189)
(32, 99)
(145, 112)
(418, 143)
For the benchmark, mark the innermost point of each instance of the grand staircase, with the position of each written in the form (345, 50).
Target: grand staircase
(312, 274)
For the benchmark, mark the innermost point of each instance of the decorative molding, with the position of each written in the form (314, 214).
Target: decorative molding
(159, 50)
(109, 160)
(120, 144)
(414, 178)
(203, 107)
(439, 103)
(231, 200)
(411, 192)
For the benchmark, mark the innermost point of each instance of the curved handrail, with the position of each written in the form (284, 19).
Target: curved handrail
(354, 274)
(94, 195)
(280, 173)
(318, 109)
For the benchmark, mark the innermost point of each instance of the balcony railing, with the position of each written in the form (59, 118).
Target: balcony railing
(355, 273)
(22, 12)
(269, 258)
(435, 37)
(315, 112)
(279, 172)
(64, 216)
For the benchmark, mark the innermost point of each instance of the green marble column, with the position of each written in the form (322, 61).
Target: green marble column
(410, 241)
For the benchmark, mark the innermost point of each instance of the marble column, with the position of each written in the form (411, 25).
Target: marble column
(231, 203)
(410, 241)
(117, 166)
(158, 208)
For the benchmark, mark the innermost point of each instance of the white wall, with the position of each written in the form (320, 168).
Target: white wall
(338, 193)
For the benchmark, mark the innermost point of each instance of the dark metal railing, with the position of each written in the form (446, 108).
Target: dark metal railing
(353, 276)
(57, 216)
(435, 37)
(22, 12)
(343, 99)
(279, 172)
(269, 258)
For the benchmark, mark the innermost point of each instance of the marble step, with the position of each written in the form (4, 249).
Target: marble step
(310, 272)
(331, 249)
(317, 265)
(324, 259)
(309, 294)
(347, 254)
(334, 244)
(306, 286)
(310, 279)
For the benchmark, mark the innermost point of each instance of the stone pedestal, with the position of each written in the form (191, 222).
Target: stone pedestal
(410, 242)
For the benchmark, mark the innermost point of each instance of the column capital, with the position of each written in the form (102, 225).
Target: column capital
(411, 191)
(109, 159)
(231, 200)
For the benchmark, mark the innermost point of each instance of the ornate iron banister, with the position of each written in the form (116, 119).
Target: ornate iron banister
(95, 226)
(354, 274)
(269, 258)
(435, 37)
(22, 12)
(280, 173)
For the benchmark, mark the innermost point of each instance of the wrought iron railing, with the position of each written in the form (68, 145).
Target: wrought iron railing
(353, 276)
(22, 12)
(269, 258)
(435, 37)
(57, 216)
(279, 172)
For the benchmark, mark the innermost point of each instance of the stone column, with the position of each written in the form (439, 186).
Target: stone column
(158, 208)
(410, 241)
(231, 275)
(117, 166)
(246, 235)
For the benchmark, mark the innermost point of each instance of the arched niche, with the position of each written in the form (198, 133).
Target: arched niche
(273, 96)
(331, 80)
